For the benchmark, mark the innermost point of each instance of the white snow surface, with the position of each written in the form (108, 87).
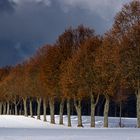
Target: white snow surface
(26, 128)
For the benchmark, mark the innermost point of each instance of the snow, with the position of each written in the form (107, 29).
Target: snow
(26, 128)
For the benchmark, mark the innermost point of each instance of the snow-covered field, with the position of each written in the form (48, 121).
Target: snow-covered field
(26, 128)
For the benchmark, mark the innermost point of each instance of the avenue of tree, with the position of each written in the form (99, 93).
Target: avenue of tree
(80, 65)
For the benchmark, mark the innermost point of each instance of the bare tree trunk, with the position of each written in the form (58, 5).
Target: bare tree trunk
(61, 112)
(44, 109)
(38, 108)
(20, 108)
(93, 105)
(4, 108)
(115, 111)
(10, 111)
(16, 113)
(31, 108)
(92, 111)
(0, 108)
(25, 106)
(78, 110)
(51, 104)
(106, 110)
(120, 124)
(15, 106)
(8, 108)
(68, 113)
(138, 108)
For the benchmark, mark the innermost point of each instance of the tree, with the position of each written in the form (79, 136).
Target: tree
(4, 73)
(50, 74)
(21, 85)
(131, 64)
(126, 32)
(107, 69)
(32, 74)
(120, 98)
(69, 42)
(70, 87)
(78, 78)
(125, 19)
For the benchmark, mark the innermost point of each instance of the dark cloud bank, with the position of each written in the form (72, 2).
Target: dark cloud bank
(26, 25)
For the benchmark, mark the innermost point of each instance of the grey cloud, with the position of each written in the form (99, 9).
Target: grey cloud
(103, 8)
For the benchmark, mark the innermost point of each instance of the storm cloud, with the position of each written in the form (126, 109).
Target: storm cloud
(26, 25)
(7, 6)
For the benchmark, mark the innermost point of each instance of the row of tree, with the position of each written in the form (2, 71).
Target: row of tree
(80, 65)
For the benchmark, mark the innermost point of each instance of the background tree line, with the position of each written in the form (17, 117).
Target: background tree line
(80, 67)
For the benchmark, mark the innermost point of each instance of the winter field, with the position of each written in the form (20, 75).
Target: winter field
(26, 128)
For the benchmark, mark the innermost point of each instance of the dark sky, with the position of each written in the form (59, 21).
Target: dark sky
(26, 25)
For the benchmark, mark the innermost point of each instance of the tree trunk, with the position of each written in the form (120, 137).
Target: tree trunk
(4, 108)
(138, 108)
(92, 111)
(61, 112)
(16, 113)
(93, 105)
(120, 124)
(8, 108)
(25, 106)
(78, 110)
(68, 113)
(20, 108)
(106, 110)
(44, 109)
(38, 108)
(31, 108)
(115, 114)
(0, 108)
(51, 104)
(10, 111)
(15, 107)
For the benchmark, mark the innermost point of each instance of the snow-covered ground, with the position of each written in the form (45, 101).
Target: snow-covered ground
(26, 128)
